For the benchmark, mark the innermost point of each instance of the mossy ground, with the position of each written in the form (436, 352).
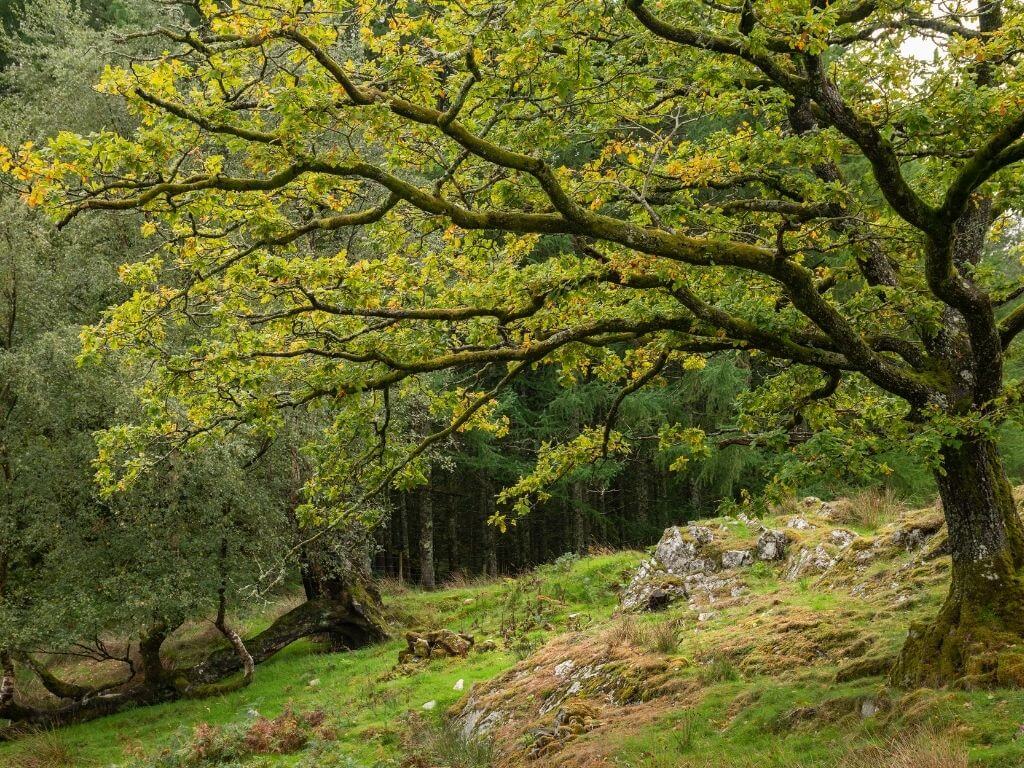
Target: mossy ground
(756, 684)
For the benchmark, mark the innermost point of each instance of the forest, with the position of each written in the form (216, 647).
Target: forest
(494, 383)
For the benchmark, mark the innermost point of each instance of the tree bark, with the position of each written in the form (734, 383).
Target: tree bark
(403, 535)
(579, 519)
(969, 642)
(452, 523)
(154, 675)
(490, 536)
(426, 539)
(357, 617)
(6, 679)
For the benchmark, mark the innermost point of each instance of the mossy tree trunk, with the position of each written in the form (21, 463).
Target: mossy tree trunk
(978, 635)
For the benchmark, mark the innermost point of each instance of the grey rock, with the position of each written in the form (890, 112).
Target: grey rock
(771, 545)
(842, 538)
(807, 561)
(737, 558)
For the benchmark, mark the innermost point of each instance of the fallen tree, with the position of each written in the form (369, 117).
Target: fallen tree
(353, 613)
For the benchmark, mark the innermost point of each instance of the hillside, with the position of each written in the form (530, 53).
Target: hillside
(768, 648)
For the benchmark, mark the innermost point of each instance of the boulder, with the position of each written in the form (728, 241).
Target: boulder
(771, 545)
(737, 558)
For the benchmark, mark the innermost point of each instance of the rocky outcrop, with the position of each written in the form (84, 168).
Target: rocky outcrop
(698, 563)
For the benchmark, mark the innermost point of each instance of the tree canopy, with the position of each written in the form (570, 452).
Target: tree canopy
(348, 201)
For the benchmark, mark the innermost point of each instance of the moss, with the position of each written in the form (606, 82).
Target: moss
(869, 666)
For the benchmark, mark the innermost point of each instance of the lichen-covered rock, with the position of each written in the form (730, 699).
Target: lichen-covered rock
(652, 589)
(682, 552)
(842, 538)
(771, 545)
(799, 524)
(737, 558)
(475, 722)
(809, 560)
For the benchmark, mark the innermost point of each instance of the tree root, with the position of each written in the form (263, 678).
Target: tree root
(971, 644)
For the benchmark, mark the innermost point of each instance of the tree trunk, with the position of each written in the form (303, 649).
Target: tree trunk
(490, 537)
(154, 676)
(426, 539)
(357, 618)
(6, 679)
(969, 642)
(403, 535)
(579, 520)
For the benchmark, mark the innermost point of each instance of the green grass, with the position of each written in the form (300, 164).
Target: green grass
(732, 709)
(368, 710)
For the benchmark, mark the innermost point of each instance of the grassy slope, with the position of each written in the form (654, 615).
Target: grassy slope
(368, 709)
(754, 685)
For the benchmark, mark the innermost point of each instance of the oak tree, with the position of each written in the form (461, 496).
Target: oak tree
(348, 197)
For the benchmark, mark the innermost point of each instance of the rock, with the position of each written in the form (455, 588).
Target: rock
(748, 521)
(811, 503)
(314, 682)
(736, 558)
(430, 705)
(701, 534)
(868, 708)
(707, 616)
(459, 685)
(809, 560)
(652, 588)
(799, 524)
(572, 719)
(833, 510)
(564, 669)
(842, 538)
(911, 538)
(421, 648)
(437, 644)
(771, 545)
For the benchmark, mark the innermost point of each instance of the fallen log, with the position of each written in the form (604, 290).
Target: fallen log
(355, 616)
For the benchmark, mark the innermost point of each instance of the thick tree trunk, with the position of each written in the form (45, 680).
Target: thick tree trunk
(154, 675)
(426, 539)
(978, 637)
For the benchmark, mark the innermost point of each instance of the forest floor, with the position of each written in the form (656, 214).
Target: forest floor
(788, 672)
